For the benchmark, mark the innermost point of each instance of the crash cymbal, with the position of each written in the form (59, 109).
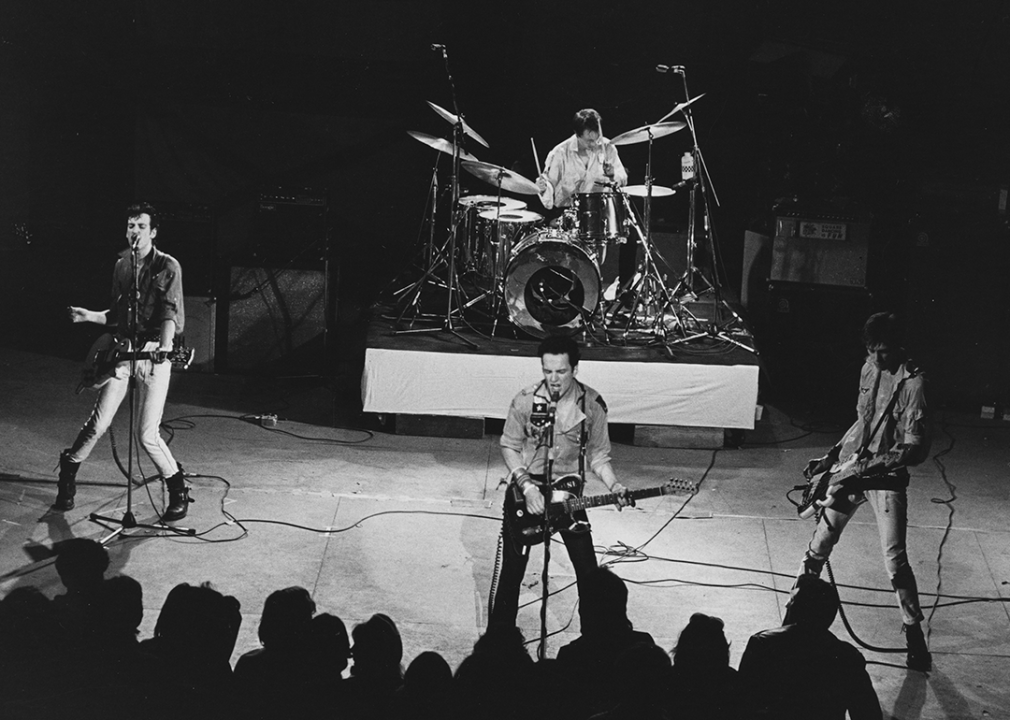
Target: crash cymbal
(642, 134)
(643, 190)
(439, 144)
(680, 107)
(491, 202)
(497, 175)
(453, 119)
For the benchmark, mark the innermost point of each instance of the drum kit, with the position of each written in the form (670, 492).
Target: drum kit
(503, 261)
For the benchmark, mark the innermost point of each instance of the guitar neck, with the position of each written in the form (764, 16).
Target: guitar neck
(591, 501)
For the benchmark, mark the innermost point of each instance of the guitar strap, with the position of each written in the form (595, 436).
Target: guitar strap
(887, 411)
(583, 435)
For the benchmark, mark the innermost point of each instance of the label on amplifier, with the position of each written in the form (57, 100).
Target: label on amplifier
(822, 230)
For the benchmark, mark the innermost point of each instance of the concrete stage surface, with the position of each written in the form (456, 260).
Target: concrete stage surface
(407, 526)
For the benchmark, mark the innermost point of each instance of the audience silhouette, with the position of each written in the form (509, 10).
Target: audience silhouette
(88, 638)
(801, 670)
(703, 685)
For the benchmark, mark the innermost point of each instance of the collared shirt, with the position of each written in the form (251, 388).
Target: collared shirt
(160, 281)
(569, 173)
(580, 403)
(907, 423)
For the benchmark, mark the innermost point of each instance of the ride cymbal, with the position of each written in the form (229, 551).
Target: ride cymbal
(643, 133)
(503, 177)
(453, 119)
(439, 144)
(643, 190)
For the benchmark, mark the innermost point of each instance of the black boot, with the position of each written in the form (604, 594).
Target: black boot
(66, 487)
(178, 498)
(918, 657)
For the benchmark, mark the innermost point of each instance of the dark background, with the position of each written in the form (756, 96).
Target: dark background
(899, 110)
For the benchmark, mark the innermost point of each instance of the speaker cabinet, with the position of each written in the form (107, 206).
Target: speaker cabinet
(273, 314)
(820, 250)
(199, 332)
(186, 232)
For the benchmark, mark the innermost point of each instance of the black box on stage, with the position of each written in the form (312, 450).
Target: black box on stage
(820, 250)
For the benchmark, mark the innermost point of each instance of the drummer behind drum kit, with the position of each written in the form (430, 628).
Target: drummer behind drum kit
(502, 257)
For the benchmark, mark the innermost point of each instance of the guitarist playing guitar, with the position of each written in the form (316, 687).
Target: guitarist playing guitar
(869, 465)
(557, 426)
(146, 304)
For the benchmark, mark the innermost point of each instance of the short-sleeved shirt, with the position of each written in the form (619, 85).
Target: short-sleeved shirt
(160, 281)
(580, 403)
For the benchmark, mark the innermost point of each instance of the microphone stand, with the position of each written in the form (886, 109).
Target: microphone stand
(129, 521)
(702, 185)
(548, 495)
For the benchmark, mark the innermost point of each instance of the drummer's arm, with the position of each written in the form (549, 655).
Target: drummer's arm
(548, 180)
(620, 174)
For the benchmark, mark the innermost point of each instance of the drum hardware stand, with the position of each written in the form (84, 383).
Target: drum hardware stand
(701, 183)
(129, 521)
(454, 305)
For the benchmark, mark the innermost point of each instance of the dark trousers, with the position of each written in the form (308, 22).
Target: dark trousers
(578, 541)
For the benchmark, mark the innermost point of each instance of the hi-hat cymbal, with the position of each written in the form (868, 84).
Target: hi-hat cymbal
(642, 134)
(491, 202)
(643, 190)
(439, 144)
(453, 119)
(680, 107)
(497, 175)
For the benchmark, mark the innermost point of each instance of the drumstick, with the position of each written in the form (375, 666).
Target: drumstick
(536, 159)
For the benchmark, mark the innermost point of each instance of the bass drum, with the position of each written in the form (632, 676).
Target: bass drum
(551, 283)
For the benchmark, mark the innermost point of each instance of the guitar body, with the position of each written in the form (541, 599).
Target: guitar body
(107, 352)
(823, 489)
(527, 528)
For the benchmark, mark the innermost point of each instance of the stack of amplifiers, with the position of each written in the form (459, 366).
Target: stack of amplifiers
(820, 249)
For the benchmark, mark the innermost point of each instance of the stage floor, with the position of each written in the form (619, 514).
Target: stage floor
(408, 526)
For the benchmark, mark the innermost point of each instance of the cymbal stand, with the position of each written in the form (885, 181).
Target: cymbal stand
(454, 303)
(433, 254)
(701, 187)
(649, 290)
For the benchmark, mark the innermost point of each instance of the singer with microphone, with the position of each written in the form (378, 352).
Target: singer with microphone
(153, 280)
(556, 426)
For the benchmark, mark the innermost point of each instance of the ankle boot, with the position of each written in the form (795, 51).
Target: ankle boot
(919, 657)
(66, 486)
(178, 498)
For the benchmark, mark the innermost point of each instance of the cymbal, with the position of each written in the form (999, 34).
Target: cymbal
(511, 216)
(642, 134)
(643, 190)
(680, 107)
(491, 202)
(453, 119)
(497, 175)
(439, 144)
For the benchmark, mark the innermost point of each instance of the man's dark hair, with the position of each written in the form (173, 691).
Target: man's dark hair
(139, 208)
(560, 345)
(815, 602)
(884, 328)
(586, 119)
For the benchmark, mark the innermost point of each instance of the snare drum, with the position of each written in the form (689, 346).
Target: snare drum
(470, 239)
(552, 282)
(600, 216)
(502, 230)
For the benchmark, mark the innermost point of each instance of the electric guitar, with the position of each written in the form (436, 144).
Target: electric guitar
(528, 528)
(822, 488)
(107, 352)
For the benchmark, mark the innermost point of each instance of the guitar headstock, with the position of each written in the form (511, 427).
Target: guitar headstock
(680, 486)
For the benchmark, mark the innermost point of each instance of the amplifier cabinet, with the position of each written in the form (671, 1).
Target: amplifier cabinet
(820, 250)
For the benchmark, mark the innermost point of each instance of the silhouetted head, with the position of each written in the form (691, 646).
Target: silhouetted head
(427, 673)
(814, 602)
(702, 644)
(377, 648)
(121, 604)
(81, 564)
(286, 616)
(604, 602)
(330, 644)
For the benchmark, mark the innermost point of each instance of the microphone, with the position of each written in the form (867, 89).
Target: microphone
(436, 46)
(679, 69)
